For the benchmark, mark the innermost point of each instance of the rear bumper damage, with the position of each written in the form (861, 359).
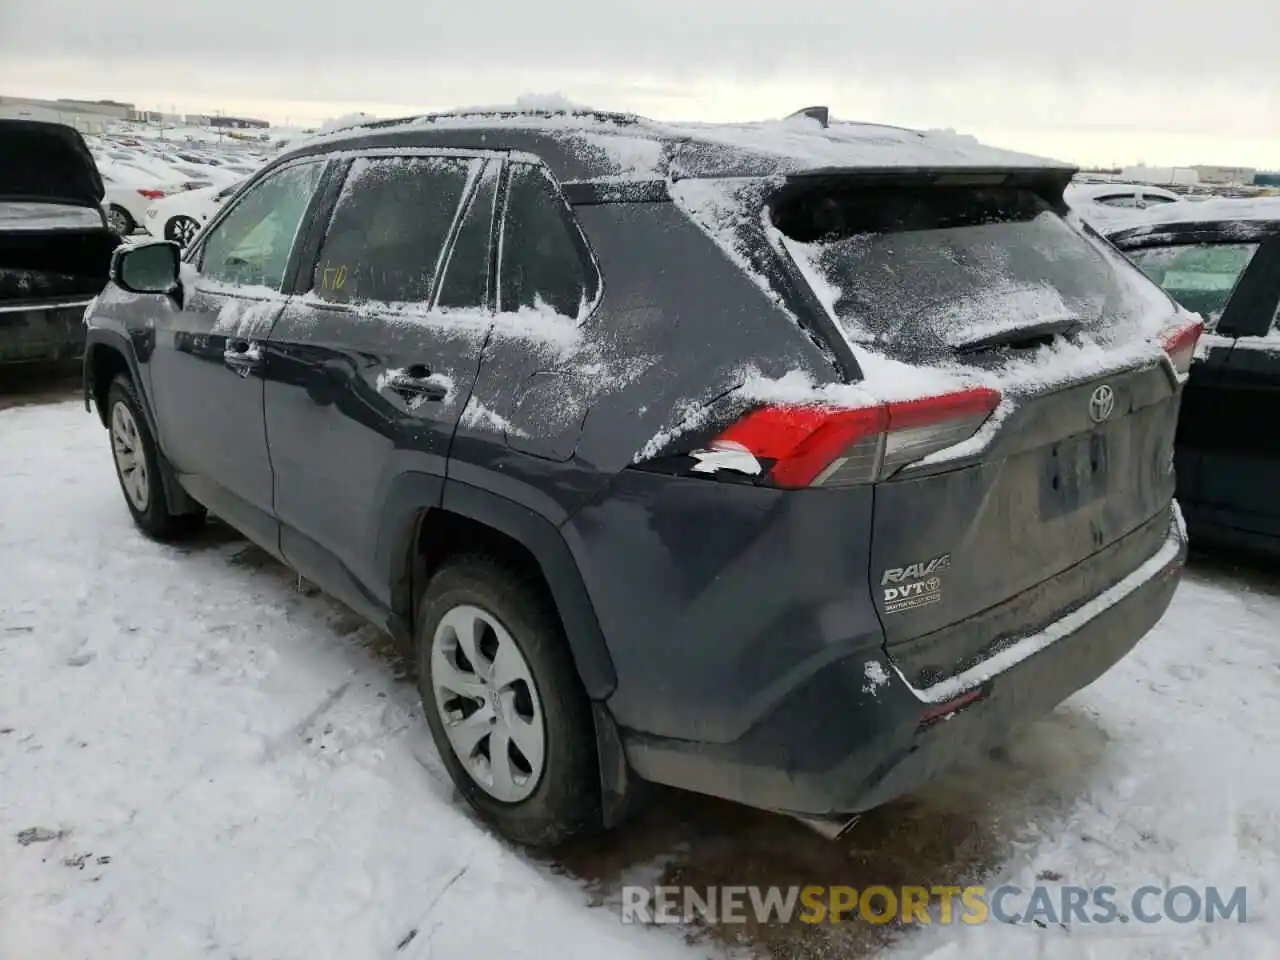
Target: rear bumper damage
(857, 734)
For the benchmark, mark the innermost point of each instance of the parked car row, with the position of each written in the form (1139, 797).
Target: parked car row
(138, 174)
(180, 216)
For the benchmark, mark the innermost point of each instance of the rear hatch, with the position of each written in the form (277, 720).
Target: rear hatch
(55, 248)
(1024, 410)
(47, 163)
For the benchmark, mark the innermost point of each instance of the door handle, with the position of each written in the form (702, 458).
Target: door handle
(243, 356)
(416, 383)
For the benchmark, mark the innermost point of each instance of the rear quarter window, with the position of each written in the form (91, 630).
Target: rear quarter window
(544, 258)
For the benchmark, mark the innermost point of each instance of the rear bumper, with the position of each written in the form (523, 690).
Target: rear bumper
(854, 736)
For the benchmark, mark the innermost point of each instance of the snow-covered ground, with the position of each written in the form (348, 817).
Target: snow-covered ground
(197, 760)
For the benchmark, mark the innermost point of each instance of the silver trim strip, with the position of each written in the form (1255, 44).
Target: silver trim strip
(1032, 644)
(37, 307)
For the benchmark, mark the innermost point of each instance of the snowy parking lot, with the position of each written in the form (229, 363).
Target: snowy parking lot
(198, 759)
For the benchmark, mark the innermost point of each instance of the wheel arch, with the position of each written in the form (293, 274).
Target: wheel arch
(426, 519)
(108, 355)
(419, 508)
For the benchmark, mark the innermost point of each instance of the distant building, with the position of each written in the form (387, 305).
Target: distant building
(1267, 179)
(85, 116)
(237, 123)
(1225, 176)
(1162, 176)
(161, 116)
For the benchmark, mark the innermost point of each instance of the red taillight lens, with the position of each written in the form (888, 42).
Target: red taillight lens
(1181, 346)
(152, 194)
(802, 440)
(812, 445)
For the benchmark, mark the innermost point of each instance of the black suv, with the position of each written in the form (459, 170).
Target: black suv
(1221, 258)
(786, 462)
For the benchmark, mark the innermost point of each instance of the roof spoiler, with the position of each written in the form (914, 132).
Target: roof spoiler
(821, 114)
(1049, 182)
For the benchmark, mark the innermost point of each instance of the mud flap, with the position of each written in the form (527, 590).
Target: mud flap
(622, 793)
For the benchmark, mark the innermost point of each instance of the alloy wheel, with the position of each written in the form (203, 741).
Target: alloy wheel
(131, 461)
(488, 703)
(181, 230)
(119, 221)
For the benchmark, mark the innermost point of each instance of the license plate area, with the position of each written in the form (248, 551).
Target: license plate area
(1075, 473)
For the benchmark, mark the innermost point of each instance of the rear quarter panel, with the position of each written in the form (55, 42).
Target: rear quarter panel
(677, 325)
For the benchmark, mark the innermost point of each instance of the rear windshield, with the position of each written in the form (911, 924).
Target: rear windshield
(930, 273)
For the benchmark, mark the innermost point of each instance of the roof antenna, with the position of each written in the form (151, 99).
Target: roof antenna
(821, 114)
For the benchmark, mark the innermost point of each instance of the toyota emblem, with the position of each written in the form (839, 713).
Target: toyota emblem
(1102, 404)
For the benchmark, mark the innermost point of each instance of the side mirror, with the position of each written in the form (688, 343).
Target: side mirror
(147, 267)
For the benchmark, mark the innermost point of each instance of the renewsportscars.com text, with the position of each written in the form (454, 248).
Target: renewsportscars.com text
(1039, 906)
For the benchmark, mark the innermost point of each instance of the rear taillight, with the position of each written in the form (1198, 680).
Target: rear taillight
(804, 445)
(151, 194)
(1181, 346)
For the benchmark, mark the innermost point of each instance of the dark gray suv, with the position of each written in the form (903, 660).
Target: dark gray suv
(786, 462)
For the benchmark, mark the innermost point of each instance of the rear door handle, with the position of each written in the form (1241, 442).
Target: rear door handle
(416, 383)
(243, 356)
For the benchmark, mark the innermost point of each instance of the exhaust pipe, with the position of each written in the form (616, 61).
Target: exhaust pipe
(832, 828)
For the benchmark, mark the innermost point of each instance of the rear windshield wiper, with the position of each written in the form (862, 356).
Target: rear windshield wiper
(1021, 336)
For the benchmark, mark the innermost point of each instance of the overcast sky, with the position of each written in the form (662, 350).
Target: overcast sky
(1092, 81)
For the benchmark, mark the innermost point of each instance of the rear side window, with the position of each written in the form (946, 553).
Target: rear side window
(1200, 276)
(389, 228)
(544, 260)
(928, 272)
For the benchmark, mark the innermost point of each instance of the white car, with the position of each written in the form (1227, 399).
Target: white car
(1106, 204)
(129, 193)
(180, 217)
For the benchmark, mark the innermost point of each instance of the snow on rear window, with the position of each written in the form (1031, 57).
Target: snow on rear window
(919, 273)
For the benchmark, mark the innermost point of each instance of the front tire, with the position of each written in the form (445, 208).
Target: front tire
(137, 462)
(504, 703)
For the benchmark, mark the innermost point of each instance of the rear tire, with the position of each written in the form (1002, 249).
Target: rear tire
(181, 230)
(138, 466)
(520, 694)
(120, 220)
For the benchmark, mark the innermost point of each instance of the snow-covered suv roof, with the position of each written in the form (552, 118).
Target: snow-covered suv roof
(591, 145)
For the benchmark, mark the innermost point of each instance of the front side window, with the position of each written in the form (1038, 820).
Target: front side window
(1126, 200)
(389, 228)
(251, 245)
(1200, 276)
(543, 264)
